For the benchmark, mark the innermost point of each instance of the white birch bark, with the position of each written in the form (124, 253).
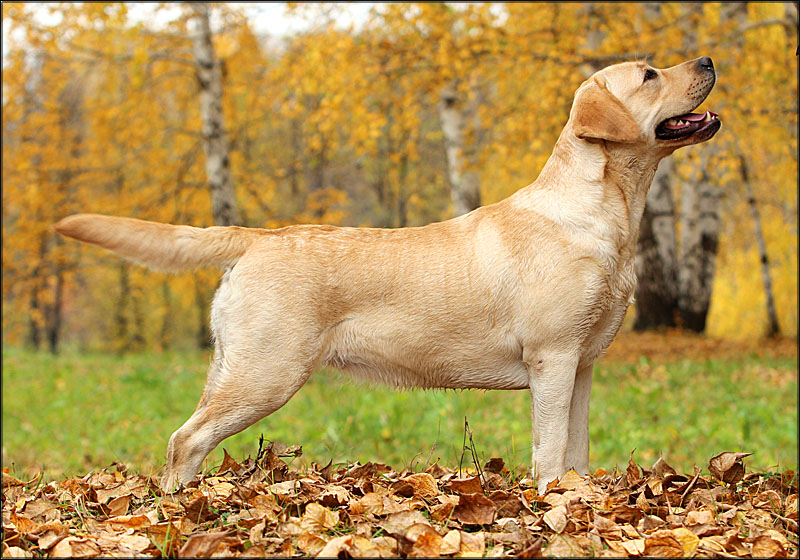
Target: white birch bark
(455, 114)
(215, 139)
(699, 241)
(656, 265)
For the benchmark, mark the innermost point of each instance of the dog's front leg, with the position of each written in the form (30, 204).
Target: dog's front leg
(578, 437)
(552, 377)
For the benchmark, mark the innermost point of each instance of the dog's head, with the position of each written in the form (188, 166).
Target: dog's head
(633, 102)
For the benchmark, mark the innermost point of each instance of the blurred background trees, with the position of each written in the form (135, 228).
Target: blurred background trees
(421, 112)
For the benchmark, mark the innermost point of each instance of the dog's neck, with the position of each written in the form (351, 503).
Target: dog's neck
(610, 181)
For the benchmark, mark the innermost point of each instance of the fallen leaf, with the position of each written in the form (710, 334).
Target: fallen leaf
(451, 542)
(137, 543)
(201, 545)
(494, 465)
(398, 523)
(634, 547)
(228, 463)
(765, 546)
(317, 518)
(464, 485)
(310, 544)
(426, 541)
(474, 509)
(335, 546)
(728, 466)
(688, 540)
(118, 506)
(15, 551)
(422, 484)
(74, 547)
(664, 544)
(123, 522)
(571, 480)
(556, 518)
(472, 544)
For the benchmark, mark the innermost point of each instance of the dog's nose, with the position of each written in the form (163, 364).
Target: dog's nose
(705, 63)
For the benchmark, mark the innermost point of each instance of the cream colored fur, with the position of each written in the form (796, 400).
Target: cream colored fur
(522, 294)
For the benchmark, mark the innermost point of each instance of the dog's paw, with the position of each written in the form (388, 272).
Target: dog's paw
(169, 483)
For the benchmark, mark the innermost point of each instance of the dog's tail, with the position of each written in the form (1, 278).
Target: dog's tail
(164, 247)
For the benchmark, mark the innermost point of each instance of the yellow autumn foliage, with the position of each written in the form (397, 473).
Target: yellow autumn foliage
(101, 114)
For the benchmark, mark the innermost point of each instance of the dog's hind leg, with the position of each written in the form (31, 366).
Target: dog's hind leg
(231, 402)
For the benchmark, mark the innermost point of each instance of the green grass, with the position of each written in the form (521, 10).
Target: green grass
(73, 413)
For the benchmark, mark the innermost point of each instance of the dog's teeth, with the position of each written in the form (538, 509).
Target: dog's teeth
(707, 117)
(682, 123)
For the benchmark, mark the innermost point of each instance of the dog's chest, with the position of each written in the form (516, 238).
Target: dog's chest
(617, 298)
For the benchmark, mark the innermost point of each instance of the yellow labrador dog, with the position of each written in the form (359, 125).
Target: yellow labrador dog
(522, 294)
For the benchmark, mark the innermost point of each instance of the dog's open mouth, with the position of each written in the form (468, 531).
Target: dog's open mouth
(683, 126)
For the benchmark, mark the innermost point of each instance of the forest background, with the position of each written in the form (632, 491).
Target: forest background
(421, 112)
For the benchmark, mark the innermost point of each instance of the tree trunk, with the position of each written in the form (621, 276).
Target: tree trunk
(203, 332)
(699, 243)
(165, 336)
(772, 316)
(56, 312)
(215, 138)
(464, 185)
(656, 291)
(121, 331)
(35, 332)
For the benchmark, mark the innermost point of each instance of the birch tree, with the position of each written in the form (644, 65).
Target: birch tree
(215, 138)
(456, 113)
(656, 265)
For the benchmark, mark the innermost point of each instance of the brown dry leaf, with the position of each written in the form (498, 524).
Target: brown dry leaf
(335, 546)
(310, 544)
(74, 547)
(317, 518)
(688, 540)
(228, 463)
(16, 552)
(426, 541)
(664, 544)
(494, 465)
(470, 485)
(376, 504)
(567, 546)
(423, 485)
(398, 523)
(765, 546)
(202, 545)
(556, 518)
(122, 522)
(137, 543)
(198, 510)
(571, 480)
(474, 509)
(451, 542)
(118, 506)
(23, 524)
(634, 547)
(506, 504)
(472, 544)
(632, 474)
(728, 466)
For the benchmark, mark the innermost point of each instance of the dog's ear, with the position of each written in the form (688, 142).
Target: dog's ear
(597, 113)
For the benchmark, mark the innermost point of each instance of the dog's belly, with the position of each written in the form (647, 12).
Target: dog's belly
(409, 358)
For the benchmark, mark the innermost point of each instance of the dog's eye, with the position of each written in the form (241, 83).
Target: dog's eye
(650, 74)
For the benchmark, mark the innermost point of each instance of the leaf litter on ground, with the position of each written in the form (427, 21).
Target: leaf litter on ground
(262, 507)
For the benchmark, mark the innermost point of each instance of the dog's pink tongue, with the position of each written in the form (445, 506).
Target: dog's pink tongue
(694, 117)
